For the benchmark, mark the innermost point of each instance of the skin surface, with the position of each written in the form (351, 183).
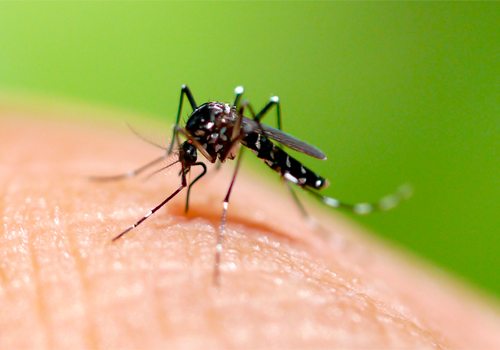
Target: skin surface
(64, 284)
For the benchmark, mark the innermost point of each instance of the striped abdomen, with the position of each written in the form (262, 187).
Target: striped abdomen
(277, 159)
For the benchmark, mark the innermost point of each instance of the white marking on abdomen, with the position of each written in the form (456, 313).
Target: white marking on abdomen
(289, 177)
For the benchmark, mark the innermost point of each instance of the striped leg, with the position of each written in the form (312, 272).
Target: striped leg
(222, 227)
(129, 174)
(184, 91)
(386, 203)
(155, 209)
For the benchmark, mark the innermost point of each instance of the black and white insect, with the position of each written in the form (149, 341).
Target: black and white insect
(217, 130)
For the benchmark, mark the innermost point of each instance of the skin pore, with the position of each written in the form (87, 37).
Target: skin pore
(64, 284)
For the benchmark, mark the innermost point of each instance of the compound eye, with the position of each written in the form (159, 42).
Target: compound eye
(188, 153)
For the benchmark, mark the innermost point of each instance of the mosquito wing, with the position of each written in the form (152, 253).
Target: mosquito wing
(285, 139)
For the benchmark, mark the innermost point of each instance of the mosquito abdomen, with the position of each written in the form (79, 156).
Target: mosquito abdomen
(277, 159)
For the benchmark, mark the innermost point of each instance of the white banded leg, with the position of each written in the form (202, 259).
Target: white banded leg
(222, 227)
(385, 203)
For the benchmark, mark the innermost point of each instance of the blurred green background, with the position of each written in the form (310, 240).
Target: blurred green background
(392, 92)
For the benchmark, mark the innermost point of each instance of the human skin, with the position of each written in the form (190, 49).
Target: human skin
(64, 284)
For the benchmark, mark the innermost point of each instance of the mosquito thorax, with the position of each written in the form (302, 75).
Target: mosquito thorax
(211, 125)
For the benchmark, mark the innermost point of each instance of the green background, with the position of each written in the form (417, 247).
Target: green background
(391, 92)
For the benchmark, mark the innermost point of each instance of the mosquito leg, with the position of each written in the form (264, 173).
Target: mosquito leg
(237, 126)
(218, 248)
(274, 101)
(308, 218)
(303, 210)
(128, 174)
(246, 105)
(152, 211)
(194, 181)
(238, 132)
(238, 91)
(386, 203)
(184, 91)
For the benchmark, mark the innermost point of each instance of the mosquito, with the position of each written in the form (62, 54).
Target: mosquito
(217, 130)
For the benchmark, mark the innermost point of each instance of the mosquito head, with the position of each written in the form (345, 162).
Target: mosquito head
(188, 154)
